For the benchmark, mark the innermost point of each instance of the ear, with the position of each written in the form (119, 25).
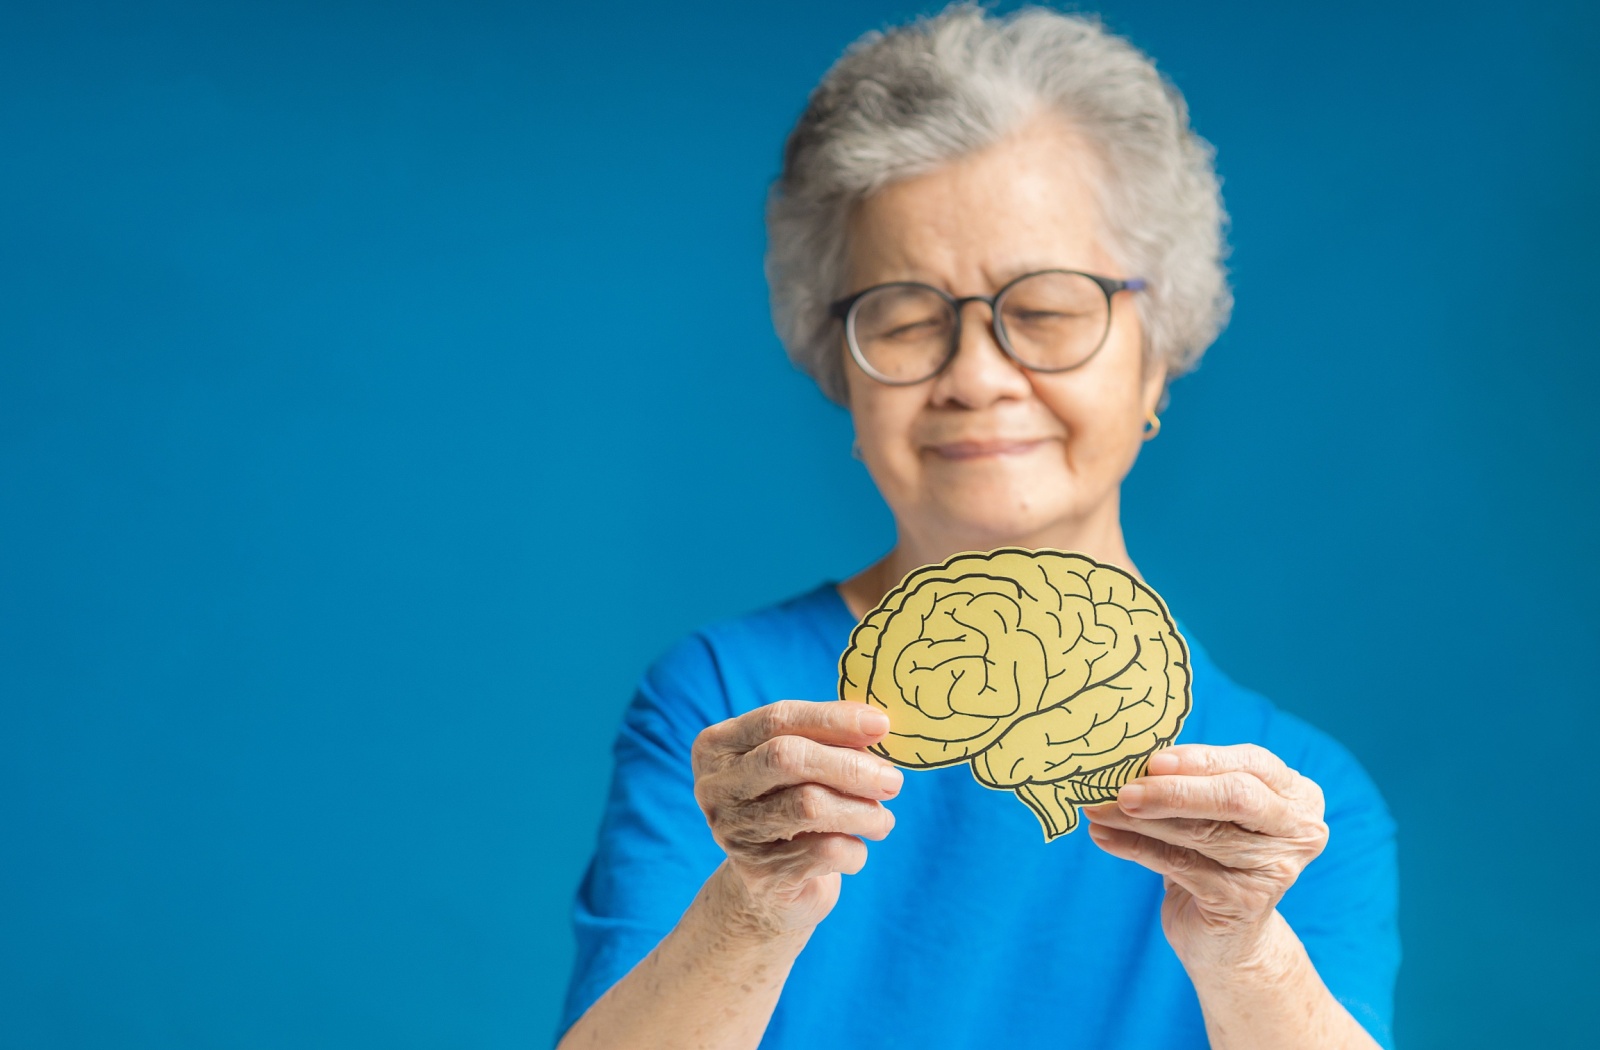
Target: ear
(1153, 386)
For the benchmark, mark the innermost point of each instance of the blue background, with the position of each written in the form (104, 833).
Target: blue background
(356, 359)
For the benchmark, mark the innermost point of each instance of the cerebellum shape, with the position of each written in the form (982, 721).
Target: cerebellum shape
(1054, 676)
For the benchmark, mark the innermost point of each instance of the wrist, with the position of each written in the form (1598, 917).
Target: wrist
(1265, 956)
(742, 919)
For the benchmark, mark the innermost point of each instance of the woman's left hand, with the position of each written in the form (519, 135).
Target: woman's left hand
(1229, 829)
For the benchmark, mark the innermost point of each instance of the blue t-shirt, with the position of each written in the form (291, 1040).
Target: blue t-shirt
(965, 928)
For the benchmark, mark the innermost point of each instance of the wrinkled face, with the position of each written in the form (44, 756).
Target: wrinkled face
(986, 453)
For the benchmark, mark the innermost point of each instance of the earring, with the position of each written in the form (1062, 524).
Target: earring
(1152, 425)
(855, 450)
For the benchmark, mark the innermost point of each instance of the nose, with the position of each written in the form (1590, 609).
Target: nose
(981, 373)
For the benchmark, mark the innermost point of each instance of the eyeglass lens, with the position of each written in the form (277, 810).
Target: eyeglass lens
(1049, 322)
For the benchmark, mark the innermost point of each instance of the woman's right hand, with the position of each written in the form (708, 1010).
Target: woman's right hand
(787, 789)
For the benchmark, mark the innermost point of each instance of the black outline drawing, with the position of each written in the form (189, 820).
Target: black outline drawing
(1054, 801)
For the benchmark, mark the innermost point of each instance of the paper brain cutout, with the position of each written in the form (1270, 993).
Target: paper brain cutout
(1055, 676)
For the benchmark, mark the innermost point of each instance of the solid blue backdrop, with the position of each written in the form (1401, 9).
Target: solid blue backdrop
(383, 385)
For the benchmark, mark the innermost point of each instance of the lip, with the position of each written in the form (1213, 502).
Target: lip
(965, 450)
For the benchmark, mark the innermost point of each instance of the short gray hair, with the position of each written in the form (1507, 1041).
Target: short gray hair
(902, 102)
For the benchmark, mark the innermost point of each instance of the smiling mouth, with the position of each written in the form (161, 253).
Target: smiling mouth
(964, 450)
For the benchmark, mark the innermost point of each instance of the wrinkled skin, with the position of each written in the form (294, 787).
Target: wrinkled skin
(1229, 829)
(786, 793)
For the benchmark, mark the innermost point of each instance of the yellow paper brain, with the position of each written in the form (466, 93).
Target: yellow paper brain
(1055, 676)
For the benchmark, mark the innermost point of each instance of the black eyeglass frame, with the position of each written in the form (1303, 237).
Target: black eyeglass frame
(845, 310)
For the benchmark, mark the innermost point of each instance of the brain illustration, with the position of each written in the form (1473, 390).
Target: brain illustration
(1053, 675)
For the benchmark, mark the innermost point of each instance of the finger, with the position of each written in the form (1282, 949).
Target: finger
(810, 856)
(840, 723)
(1239, 798)
(801, 810)
(1203, 877)
(786, 760)
(1227, 844)
(1206, 760)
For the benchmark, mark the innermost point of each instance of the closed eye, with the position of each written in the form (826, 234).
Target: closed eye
(1044, 316)
(915, 329)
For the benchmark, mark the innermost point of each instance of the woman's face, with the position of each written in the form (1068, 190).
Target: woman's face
(987, 454)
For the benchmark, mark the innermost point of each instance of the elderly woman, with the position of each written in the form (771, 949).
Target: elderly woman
(995, 241)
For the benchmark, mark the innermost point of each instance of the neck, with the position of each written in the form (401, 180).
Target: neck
(1100, 537)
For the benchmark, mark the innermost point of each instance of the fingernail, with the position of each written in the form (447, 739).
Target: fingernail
(1099, 809)
(872, 721)
(891, 780)
(1098, 831)
(1163, 762)
(1131, 797)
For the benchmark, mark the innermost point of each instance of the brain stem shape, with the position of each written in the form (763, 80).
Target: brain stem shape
(1053, 675)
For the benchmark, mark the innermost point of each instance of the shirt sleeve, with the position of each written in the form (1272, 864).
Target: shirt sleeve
(1344, 907)
(654, 850)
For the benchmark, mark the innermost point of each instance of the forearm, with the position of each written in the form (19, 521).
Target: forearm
(711, 984)
(1273, 999)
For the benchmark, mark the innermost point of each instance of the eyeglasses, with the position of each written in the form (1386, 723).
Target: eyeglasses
(1049, 321)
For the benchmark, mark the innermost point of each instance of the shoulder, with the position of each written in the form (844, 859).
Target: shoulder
(1228, 713)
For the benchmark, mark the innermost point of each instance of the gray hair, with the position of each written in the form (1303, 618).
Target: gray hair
(902, 102)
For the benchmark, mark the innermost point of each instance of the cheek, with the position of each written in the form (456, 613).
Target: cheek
(1101, 419)
(883, 418)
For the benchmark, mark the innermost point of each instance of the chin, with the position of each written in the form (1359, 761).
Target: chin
(985, 525)
(985, 509)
